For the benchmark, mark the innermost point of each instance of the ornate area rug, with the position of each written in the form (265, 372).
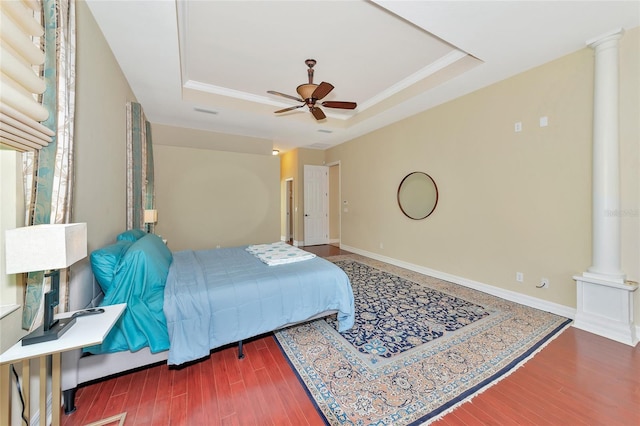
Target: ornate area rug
(420, 346)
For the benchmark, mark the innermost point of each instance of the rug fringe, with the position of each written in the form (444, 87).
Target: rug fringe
(498, 380)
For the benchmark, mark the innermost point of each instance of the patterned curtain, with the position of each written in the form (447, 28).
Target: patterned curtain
(140, 188)
(48, 174)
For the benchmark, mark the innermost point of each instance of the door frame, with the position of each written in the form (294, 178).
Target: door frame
(339, 166)
(289, 216)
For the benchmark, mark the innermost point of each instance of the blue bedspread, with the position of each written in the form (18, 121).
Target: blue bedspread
(220, 296)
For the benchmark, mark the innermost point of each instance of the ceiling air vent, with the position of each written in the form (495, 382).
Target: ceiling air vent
(206, 111)
(318, 146)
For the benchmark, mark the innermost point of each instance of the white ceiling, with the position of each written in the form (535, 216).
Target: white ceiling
(208, 64)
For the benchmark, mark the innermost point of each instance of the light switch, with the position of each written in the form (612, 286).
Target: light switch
(544, 121)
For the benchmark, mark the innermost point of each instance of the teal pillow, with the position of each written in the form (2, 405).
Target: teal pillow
(150, 253)
(139, 282)
(131, 235)
(105, 260)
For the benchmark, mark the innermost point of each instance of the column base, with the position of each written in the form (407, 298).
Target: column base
(605, 307)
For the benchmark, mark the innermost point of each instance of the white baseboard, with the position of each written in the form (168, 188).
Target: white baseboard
(610, 329)
(513, 296)
(334, 241)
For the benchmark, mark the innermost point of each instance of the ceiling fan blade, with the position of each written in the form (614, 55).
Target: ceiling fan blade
(317, 113)
(289, 109)
(273, 92)
(339, 104)
(322, 90)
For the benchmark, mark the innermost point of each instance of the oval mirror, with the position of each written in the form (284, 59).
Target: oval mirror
(417, 195)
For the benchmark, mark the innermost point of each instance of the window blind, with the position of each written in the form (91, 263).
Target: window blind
(20, 80)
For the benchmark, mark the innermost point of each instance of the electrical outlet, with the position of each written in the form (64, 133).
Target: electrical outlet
(517, 127)
(544, 283)
(382, 246)
(519, 277)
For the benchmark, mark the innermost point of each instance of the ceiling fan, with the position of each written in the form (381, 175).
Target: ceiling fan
(311, 93)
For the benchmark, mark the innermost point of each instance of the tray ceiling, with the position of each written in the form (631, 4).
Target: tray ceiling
(208, 64)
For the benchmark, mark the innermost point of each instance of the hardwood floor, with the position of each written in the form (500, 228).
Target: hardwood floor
(260, 389)
(577, 379)
(325, 250)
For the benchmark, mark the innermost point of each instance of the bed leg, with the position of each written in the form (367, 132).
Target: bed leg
(69, 401)
(240, 352)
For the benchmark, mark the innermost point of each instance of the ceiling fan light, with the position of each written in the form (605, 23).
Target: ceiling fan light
(306, 90)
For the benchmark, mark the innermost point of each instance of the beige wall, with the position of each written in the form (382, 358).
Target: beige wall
(178, 136)
(509, 202)
(211, 198)
(102, 93)
(630, 156)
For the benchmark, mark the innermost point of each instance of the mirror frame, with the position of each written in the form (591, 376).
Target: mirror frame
(435, 203)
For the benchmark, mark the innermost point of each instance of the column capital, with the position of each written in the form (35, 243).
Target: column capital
(612, 35)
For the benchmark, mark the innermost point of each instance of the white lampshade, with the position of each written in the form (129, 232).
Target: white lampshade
(44, 247)
(150, 216)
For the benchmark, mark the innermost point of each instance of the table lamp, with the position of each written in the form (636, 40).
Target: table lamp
(150, 217)
(46, 248)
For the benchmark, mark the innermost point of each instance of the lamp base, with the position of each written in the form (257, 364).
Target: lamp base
(40, 335)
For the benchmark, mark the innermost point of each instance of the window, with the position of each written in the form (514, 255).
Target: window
(21, 58)
(11, 207)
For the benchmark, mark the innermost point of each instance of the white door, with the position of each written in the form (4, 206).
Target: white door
(316, 205)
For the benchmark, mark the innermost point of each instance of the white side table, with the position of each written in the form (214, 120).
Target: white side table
(87, 331)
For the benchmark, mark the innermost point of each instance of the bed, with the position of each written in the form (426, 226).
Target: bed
(182, 305)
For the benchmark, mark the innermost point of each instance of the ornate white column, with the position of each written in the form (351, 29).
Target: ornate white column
(606, 173)
(605, 300)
